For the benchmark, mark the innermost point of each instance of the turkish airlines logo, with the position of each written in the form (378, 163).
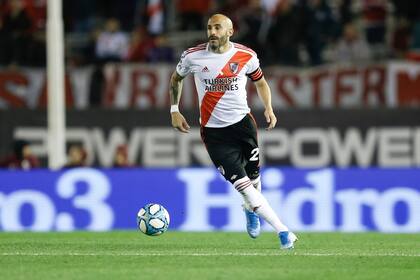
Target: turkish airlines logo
(234, 67)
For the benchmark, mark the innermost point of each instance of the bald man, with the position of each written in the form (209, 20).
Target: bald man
(221, 69)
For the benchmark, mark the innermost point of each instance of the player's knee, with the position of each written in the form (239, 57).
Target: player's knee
(254, 173)
(231, 174)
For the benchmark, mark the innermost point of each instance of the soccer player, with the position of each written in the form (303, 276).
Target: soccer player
(228, 130)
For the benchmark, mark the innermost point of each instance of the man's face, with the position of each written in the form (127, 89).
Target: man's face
(26, 151)
(217, 33)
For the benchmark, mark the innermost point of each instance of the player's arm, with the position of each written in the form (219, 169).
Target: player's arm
(175, 90)
(264, 93)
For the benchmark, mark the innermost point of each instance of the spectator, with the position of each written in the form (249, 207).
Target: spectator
(37, 10)
(76, 156)
(351, 47)
(270, 6)
(191, 13)
(140, 45)
(415, 36)
(374, 14)
(155, 15)
(161, 51)
(231, 8)
(400, 42)
(16, 32)
(124, 11)
(406, 8)
(111, 44)
(251, 26)
(121, 157)
(320, 29)
(414, 52)
(284, 41)
(345, 12)
(21, 158)
(4, 44)
(97, 82)
(80, 15)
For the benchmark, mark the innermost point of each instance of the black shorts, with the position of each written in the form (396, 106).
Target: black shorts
(234, 149)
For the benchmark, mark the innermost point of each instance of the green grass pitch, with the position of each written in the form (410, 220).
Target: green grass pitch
(215, 255)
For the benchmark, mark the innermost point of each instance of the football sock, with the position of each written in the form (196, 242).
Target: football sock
(257, 183)
(257, 203)
(267, 213)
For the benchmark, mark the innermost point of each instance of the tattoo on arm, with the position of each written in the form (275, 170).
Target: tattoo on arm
(175, 88)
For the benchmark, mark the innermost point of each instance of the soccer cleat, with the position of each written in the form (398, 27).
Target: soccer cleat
(287, 239)
(252, 223)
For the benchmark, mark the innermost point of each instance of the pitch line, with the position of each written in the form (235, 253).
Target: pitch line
(209, 254)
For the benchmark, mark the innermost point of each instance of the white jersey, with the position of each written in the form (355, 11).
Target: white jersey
(220, 80)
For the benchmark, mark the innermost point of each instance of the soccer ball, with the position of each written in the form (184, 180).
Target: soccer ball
(153, 219)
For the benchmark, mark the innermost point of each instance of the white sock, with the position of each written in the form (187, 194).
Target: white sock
(241, 184)
(268, 214)
(257, 183)
(257, 202)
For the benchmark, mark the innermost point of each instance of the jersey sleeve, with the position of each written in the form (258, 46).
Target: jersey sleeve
(183, 67)
(254, 71)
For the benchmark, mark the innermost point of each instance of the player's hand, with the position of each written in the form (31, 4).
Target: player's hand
(270, 118)
(179, 122)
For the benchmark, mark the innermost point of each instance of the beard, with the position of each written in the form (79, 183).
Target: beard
(219, 42)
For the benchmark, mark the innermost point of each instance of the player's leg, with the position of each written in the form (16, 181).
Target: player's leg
(254, 201)
(228, 162)
(252, 168)
(258, 204)
(228, 157)
(251, 151)
(252, 219)
(226, 153)
(249, 144)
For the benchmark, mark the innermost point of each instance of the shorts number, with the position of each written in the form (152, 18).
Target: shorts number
(255, 152)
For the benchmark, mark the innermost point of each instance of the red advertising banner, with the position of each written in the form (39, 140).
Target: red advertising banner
(146, 86)
(403, 84)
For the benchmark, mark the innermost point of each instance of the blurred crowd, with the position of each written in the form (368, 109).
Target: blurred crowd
(21, 157)
(282, 32)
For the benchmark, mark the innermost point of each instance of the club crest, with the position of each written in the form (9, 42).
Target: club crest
(234, 67)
